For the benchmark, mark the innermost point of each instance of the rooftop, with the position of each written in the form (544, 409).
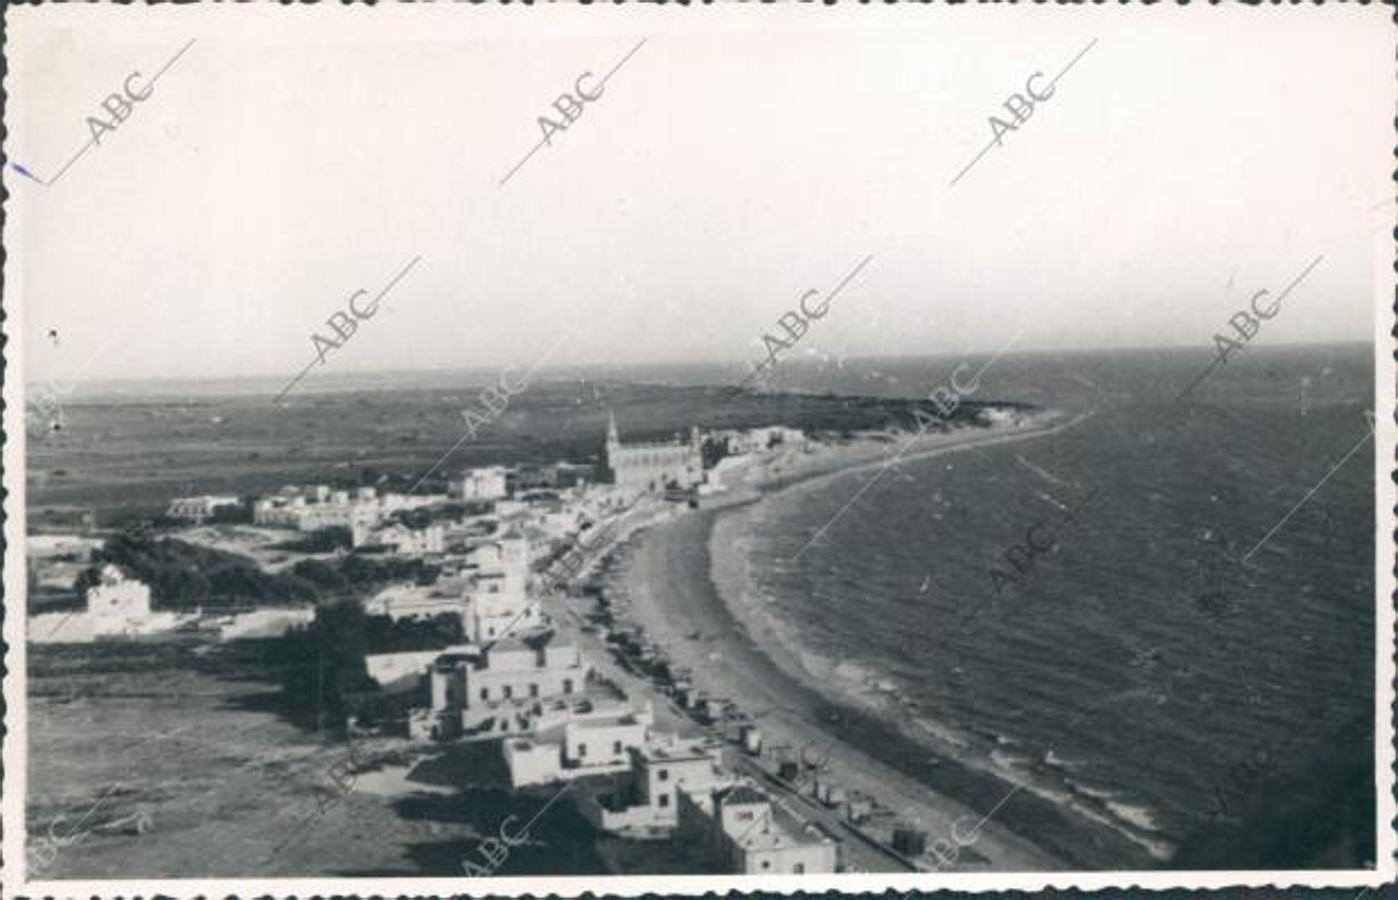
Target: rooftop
(535, 641)
(662, 751)
(741, 793)
(608, 721)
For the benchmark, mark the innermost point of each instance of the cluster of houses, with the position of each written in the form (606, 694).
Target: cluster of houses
(517, 681)
(316, 507)
(115, 606)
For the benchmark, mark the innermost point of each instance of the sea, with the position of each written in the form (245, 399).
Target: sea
(1160, 620)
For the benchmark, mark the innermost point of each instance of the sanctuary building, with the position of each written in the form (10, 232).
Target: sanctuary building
(655, 465)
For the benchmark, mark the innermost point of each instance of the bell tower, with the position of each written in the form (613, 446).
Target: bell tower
(611, 454)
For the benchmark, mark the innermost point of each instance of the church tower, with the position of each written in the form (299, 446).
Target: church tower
(613, 445)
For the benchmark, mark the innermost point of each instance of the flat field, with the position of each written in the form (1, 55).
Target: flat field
(191, 745)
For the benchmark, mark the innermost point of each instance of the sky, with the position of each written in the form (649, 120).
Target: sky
(741, 157)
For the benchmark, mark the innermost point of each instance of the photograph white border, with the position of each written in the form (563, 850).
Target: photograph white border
(16, 734)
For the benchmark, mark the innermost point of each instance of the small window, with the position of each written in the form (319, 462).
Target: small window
(509, 691)
(582, 750)
(567, 685)
(664, 800)
(616, 748)
(799, 868)
(533, 690)
(766, 864)
(485, 693)
(663, 774)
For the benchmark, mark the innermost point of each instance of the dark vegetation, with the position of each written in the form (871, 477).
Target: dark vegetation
(384, 635)
(712, 451)
(322, 540)
(329, 655)
(329, 680)
(184, 576)
(453, 512)
(241, 514)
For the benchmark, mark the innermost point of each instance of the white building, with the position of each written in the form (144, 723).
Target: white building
(739, 828)
(413, 601)
(197, 509)
(497, 600)
(117, 604)
(317, 506)
(390, 668)
(645, 802)
(500, 690)
(572, 739)
(739, 442)
(488, 483)
(404, 540)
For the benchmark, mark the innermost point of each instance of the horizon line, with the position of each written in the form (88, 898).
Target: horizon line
(682, 363)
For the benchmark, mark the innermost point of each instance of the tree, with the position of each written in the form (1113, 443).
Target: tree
(329, 664)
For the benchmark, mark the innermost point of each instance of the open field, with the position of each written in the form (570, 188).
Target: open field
(227, 784)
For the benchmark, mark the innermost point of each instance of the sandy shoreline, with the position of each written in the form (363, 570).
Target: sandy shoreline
(672, 582)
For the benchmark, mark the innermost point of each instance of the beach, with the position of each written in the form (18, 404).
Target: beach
(673, 581)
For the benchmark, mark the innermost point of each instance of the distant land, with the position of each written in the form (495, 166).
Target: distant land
(131, 455)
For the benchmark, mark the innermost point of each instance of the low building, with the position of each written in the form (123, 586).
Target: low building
(402, 539)
(198, 509)
(486, 483)
(316, 507)
(413, 601)
(645, 802)
(498, 691)
(772, 436)
(738, 829)
(573, 739)
(390, 669)
(117, 604)
(740, 442)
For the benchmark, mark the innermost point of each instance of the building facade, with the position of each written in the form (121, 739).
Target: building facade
(737, 828)
(488, 483)
(500, 690)
(497, 600)
(317, 506)
(117, 604)
(653, 466)
(573, 739)
(197, 509)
